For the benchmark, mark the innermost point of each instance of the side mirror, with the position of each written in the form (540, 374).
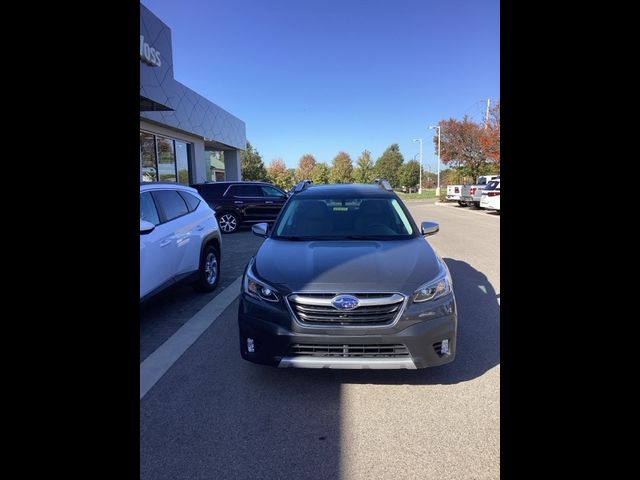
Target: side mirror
(260, 229)
(146, 227)
(430, 228)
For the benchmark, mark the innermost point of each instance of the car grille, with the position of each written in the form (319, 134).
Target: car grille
(349, 350)
(374, 309)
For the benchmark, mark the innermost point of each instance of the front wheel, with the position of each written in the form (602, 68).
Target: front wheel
(209, 271)
(228, 222)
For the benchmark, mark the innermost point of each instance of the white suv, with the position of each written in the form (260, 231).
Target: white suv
(179, 239)
(490, 198)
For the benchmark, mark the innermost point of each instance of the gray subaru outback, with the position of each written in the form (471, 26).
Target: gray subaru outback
(346, 279)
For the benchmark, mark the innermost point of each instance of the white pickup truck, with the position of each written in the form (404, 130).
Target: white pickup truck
(471, 194)
(453, 193)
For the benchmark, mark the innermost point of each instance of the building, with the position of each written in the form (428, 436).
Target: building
(184, 137)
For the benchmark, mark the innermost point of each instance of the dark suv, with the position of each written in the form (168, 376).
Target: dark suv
(238, 203)
(345, 279)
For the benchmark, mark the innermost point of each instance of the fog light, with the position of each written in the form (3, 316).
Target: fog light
(445, 347)
(251, 348)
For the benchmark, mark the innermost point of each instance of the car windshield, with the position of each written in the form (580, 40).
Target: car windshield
(492, 185)
(343, 218)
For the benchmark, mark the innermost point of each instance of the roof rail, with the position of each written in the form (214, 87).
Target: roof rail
(303, 185)
(383, 183)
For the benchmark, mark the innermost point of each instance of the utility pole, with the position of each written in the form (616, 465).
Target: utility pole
(438, 187)
(420, 186)
(486, 117)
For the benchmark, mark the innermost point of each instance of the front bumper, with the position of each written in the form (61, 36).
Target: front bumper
(277, 337)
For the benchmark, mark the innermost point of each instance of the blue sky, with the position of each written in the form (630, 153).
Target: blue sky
(320, 76)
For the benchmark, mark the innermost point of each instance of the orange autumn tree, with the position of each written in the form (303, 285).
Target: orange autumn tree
(306, 167)
(469, 147)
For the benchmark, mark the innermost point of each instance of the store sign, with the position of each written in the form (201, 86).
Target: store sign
(148, 54)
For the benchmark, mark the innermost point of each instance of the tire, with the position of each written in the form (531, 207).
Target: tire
(228, 222)
(462, 204)
(476, 204)
(209, 270)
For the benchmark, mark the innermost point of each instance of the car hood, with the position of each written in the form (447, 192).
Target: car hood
(347, 266)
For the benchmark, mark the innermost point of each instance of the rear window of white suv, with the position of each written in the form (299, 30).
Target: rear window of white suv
(192, 202)
(172, 203)
(148, 210)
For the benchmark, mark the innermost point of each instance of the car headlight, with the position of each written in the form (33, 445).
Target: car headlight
(258, 289)
(434, 289)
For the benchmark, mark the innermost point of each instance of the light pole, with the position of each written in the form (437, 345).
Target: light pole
(420, 184)
(438, 187)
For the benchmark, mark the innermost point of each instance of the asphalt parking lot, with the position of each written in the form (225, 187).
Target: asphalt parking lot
(213, 415)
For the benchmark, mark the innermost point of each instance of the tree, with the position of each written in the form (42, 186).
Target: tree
(305, 167)
(461, 145)
(410, 174)
(321, 173)
(389, 164)
(364, 171)
(430, 179)
(454, 176)
(491, 136)
(341, 169)
(279, 174)
(252, 166)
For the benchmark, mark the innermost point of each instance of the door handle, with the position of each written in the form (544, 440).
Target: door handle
(200, 227)
(268, 201)
(239, 202)
(164, 243)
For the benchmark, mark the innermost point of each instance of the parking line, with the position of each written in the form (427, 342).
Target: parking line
(156, 365)
(477, 212)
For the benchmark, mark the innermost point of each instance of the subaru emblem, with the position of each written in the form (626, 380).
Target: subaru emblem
(345, 302)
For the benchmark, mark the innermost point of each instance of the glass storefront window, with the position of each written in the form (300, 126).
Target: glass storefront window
(163, 159)
(148, 166)
(182, 162)
(166, 160)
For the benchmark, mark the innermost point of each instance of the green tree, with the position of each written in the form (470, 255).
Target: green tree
(410, 174)
(289, 179)
(364, 171)
(306, 166)
(252, 165)
(341, 169)
(454, 176)
(389, 164)
(321, 173)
